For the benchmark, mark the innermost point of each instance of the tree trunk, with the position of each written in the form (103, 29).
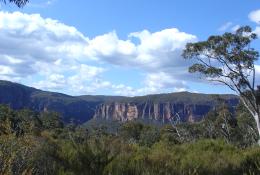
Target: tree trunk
(256, 117)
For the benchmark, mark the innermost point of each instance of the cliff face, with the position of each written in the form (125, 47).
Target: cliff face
(117, 111)
(153, 111)
(160, 107)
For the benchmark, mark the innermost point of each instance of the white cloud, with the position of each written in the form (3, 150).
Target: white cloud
(235, 27)
(34, 46)
(153, 83)
(255, 16)
(110, 48)
(85, 79)
(59, 56)
(229, 26)
(257, 31)
(54, 56)
(162, 80)
(157, 54)
(86, 72)
(161, 48)
(34, 41)
(53, 82)
(225, 26)
(155, 49)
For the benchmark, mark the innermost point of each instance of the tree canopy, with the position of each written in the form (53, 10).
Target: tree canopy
(19, 3)
(40, 143)
(229, 59)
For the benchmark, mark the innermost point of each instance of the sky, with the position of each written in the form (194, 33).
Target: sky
(115, 47)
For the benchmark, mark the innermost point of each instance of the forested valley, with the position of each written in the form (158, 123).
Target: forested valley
(40, 143)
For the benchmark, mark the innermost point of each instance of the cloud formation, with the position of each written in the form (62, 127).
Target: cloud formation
(225, 26)
(31, 40)
(50, 55)
(33, 47)
(255, 16)
(158, 54)
(155, 50)
(54, 56)
(257, 31)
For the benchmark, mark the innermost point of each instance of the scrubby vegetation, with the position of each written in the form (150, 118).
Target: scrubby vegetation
(33, 143)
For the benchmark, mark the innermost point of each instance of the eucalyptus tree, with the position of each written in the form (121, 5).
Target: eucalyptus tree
(19, 3)
(229, 59)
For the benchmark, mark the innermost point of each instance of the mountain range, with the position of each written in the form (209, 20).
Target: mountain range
(190, 107)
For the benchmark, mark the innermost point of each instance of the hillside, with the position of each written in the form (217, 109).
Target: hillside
(190, 106)
(19, 96)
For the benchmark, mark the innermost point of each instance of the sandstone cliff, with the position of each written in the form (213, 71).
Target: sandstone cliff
(160, 107)
(157, 110)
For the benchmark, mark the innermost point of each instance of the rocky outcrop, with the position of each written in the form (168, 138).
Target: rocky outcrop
(160, 107)
(117, 111)
(154, 111)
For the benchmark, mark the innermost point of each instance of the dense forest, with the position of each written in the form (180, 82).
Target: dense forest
(223, 142)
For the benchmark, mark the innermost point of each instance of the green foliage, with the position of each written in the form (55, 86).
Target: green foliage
(48, 147)
(247, 132)
(230, 60)
(136, 132)
(19, 3)
(251, 162)
(228, 50)
(51, 120)
(149, 135)
(203, 157)
(131, 131)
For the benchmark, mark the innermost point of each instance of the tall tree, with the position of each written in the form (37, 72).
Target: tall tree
(19, 3)
(229, 59)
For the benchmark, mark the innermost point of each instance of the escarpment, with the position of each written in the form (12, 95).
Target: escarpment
(158, 111)
(190, 107)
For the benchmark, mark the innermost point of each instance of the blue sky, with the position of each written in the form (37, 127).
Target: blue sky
(114, 47)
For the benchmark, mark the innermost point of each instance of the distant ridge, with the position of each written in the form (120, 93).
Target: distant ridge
(83, 108)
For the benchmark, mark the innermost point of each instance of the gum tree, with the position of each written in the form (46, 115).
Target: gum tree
(229, 59)
(19, 3)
